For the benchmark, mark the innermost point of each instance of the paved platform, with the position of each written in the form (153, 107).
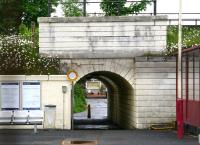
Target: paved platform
(105, 137)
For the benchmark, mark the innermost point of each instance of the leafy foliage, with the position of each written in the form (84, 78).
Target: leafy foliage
(32, 9)
(191, 37)
(10, 16)
(116, 8)
(72, 8)
(26, 33)
(18, 57)
(15, 12)
(79, 99)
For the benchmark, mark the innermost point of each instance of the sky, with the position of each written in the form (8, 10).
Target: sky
(163, 6)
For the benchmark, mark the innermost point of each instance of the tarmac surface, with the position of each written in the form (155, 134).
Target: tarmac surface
(104, 137)
(98, 110)
(98, 118)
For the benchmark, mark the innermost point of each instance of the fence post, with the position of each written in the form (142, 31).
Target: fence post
(49, 8)
(33, 33)
(155, 7)
(118, 5)
(84, 8)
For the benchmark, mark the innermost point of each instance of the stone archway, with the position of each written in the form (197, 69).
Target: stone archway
(120, 97)
(122, 67)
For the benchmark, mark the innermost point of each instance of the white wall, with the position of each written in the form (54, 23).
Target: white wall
(51, 94)
(155, 91)
(102, 37)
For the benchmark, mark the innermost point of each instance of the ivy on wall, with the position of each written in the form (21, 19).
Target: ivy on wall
(79, 99)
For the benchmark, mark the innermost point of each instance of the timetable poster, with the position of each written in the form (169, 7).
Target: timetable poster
(31, 95)
(10, 95)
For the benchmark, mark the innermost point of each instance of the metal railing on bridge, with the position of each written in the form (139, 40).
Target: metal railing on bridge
(187, 18)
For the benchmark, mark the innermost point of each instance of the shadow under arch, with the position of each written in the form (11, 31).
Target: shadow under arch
(120, 97)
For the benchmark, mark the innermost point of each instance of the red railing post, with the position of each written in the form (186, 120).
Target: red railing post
(186, 85)
(180, 127)
(179, 108)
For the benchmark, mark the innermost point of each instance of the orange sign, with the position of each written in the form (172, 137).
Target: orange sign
(72, 75)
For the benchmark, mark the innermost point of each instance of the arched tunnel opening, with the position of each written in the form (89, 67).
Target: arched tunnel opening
(120, 103)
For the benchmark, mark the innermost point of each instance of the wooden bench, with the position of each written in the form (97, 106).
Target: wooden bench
(22, 117)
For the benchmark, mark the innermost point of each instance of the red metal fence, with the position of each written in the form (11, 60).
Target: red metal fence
(191, 86)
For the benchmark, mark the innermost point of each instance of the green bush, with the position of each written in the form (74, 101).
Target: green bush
(26, 33)
(190, 37)
(18, 57)
(79, 99)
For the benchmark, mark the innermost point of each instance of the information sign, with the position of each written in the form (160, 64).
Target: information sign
(10, 95)
(31, 95)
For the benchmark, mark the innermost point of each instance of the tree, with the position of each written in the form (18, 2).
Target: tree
(27, 34)
(32, 9)
(15, 12)
(10, 16)
(72, 8)
(116, 8)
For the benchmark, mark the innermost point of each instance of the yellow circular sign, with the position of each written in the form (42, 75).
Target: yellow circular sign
(72, 75)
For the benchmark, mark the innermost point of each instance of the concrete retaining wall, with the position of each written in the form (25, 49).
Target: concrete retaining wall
(155, 91)
(152, 81)
(102, 37)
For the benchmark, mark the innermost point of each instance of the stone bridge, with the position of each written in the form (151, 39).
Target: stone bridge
(102, 37)
(141, 89)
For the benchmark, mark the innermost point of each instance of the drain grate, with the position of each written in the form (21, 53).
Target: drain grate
(79, 142)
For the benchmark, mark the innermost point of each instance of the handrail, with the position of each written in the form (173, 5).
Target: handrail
(194, 21)
(85, 2)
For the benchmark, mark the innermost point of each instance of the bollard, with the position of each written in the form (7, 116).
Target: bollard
(35, 128)
(89, 111)
(199, 138)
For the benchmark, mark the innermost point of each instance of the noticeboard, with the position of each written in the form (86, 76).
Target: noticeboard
(10, 95)
(31, 95)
